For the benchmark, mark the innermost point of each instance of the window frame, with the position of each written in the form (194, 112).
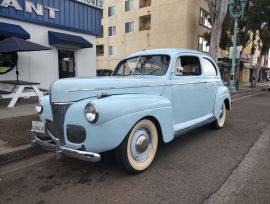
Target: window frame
(188, 75)
(201, 17)
(100, 54)
(130, 22)
(110, 13)
(200, 36)
(113, 31)
(128, 6)
(113, 50)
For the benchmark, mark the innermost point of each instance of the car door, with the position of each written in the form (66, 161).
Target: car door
(213, 80)
(190, 92)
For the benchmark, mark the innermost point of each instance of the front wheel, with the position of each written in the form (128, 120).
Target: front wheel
(219, 123)
(138, 150)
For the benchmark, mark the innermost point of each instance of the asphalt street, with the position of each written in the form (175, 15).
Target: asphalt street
(203, 166)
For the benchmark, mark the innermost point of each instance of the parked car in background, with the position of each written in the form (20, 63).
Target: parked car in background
(104, 72)
(152, 96)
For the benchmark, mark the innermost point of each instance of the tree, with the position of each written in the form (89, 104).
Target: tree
(218, 10)
(259, 23)
(256, 20)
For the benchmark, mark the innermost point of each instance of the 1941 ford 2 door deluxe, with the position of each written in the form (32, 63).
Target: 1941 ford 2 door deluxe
(152, 96)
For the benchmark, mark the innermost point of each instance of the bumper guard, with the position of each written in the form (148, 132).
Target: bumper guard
(54, 146)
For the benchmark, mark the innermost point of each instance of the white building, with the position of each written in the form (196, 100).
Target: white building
(69, 27)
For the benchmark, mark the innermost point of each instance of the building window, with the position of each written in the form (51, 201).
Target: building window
(144, 3)
(129, 27)
(112, 30)
(100, 49)
(111, 11)
(145, 22)
(205, 19)
(129, 5)
(112, 50)
(202, 46)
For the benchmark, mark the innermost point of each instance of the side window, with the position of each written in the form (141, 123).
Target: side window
(209, 68)
(188, 66)
(124, 69)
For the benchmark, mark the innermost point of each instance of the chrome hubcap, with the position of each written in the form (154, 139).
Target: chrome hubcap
(141, 144)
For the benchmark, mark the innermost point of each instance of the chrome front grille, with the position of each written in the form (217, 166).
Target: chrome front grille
(58, 112)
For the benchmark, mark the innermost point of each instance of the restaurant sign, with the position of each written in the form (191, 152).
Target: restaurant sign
(30, 7)
(95, 3)
(75, 15)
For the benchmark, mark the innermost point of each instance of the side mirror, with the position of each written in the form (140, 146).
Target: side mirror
(179, 71)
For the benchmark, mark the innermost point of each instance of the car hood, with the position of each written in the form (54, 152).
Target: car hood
(75, 89)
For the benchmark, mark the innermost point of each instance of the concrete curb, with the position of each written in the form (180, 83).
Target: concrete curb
(247, 184)
(20, 152)
(247, 92)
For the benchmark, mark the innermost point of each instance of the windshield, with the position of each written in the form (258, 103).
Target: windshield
(155, 65)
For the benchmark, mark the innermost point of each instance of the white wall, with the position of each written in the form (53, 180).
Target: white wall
(42, 66)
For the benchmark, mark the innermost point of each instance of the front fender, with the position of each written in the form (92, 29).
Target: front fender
(117, 115)
(113, 107)
(222, 95)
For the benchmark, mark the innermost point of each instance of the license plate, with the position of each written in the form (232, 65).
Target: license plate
(38, 127)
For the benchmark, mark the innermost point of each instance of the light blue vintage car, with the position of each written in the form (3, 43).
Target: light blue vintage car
(152, 96)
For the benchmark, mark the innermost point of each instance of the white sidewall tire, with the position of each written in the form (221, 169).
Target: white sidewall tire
(141, 166)
(221, 121)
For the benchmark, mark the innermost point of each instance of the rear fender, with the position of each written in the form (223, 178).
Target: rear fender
(222, 95)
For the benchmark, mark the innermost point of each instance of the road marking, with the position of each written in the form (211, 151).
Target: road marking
(236, 99)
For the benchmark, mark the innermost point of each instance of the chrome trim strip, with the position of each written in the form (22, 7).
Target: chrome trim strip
(142, 86)
(199, 82)
(117, 87)
(62, 103)
(63, 151)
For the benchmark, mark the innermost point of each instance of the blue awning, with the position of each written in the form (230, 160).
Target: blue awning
(11, 30)
(58, 39)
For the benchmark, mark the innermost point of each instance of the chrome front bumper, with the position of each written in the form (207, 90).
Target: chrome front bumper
(54, 146)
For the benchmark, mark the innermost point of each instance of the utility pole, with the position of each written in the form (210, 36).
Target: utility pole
(237, 12)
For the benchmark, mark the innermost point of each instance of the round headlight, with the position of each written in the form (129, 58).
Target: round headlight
(91, 113)
(39, 107)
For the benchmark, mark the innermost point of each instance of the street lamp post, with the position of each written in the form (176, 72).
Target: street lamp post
(236, 14)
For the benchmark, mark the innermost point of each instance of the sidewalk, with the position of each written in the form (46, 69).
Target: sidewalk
(15, 125)
(245, 88)
(249, 182)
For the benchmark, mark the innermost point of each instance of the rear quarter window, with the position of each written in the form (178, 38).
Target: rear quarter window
(209, 68)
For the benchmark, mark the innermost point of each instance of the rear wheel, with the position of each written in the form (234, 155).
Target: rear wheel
(219, 123)
(138, 150)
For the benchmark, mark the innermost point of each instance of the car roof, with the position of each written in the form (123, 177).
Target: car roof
(167, 51)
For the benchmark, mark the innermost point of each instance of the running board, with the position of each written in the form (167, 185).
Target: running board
(188, 129)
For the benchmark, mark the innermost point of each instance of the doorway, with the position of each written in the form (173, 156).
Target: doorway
(66, 64)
